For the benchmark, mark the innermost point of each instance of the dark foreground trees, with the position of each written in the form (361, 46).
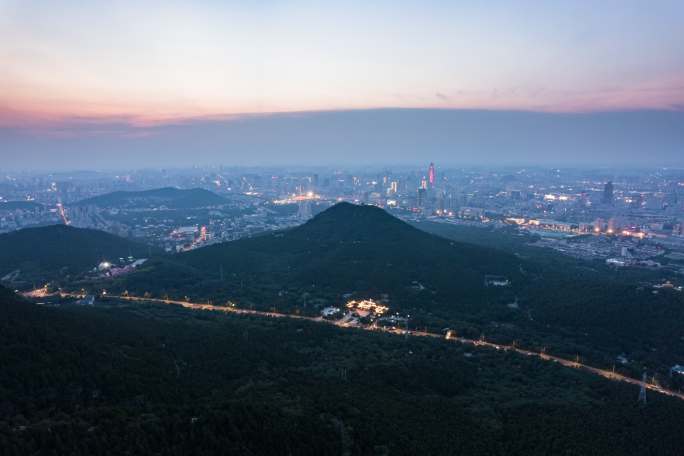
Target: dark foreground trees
(161, 380)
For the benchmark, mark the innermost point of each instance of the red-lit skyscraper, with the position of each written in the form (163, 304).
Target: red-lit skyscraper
(431, 175)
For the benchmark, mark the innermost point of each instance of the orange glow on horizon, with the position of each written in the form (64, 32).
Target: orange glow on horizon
(164, 62)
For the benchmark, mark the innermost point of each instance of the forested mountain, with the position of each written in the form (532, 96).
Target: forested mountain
(145, 379)
(56, 251)
(345, 249)
(171, 198)
(552, 302)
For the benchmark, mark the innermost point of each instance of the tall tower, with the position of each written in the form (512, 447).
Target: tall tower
(431, 175)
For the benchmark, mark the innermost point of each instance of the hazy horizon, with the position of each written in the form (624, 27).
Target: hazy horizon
(124, 85)
(356, 137)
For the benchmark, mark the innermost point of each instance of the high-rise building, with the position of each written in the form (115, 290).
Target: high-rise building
(608, 193)
(424, 183)
(678, 229)
(304, 210)
(431, 175)
(422, 193)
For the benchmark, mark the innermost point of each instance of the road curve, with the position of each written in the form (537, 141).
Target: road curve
(610, 375)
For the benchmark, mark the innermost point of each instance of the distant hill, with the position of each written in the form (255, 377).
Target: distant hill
(345, 249)
(172, 198)
(54, 251)
(20, 205)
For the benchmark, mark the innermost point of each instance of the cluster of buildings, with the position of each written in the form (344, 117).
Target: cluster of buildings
(360, 311)
(586, 213)
(367, 308)
(15, 215)
(122, 267)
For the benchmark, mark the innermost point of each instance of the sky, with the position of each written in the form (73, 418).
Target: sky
(124, 75)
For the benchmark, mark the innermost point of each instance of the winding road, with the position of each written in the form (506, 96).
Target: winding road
(608, 374)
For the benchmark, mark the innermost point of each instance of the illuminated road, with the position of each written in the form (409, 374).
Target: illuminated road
(62, 213)
(610, 375)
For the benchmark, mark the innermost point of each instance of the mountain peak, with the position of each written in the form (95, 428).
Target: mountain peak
(347, 221)
(346, 209)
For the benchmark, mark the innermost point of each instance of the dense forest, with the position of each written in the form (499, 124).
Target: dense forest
(129, 378)
(145, 379)
(584, 306)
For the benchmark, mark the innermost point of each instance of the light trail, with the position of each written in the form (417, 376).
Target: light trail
(62, 214)
(607, 374)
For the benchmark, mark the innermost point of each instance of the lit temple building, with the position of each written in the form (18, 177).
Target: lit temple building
(367, 307)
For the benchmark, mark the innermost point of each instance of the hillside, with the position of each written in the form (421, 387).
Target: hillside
(172, 198)
(55, 251)
(345, 249)
(586, 306)
(164, 380)
(20, 205)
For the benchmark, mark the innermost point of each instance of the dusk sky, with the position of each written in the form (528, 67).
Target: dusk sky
(135, 74)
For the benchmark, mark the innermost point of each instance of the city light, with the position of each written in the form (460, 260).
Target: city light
(296, 198)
